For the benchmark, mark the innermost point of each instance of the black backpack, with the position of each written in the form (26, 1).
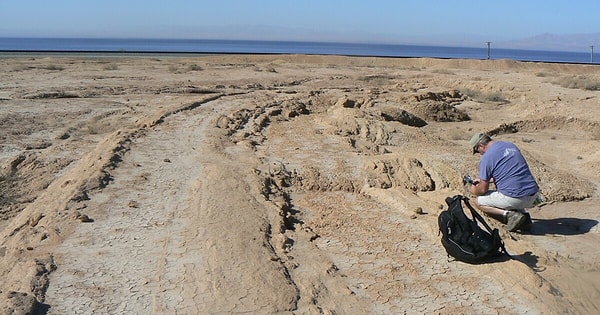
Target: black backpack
(462, 237)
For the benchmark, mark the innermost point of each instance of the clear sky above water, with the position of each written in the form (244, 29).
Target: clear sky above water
(380, 21)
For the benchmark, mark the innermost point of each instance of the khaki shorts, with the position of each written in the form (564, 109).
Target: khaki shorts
(498, 200)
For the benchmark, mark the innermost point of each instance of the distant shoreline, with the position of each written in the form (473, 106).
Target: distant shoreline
(46, 53)
(132, 47)
(170, 54)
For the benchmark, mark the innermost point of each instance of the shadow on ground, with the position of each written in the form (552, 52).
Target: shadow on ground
(530, 260)
(562, 226)
(556, 226)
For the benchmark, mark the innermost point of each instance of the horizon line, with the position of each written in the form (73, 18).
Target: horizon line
(503, 44)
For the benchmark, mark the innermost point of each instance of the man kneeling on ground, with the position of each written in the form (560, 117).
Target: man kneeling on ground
(516, 189)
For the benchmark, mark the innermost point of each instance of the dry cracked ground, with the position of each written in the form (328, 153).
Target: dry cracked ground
(286, 184)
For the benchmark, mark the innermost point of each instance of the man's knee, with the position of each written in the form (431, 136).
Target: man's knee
(478, 203)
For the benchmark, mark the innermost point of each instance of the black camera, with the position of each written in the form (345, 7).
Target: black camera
(468, 179)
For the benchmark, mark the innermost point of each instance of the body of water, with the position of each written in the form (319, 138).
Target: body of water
(280, 47)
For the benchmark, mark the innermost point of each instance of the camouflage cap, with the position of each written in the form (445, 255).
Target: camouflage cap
(476, 139)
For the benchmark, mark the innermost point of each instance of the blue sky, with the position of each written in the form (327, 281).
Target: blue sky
(392, 21)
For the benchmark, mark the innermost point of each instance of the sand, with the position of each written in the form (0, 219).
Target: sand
(286, 184)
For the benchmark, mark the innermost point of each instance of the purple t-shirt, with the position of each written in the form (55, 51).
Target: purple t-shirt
(504, 162)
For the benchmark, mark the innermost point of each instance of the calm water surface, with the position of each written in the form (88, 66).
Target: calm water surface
(91, 45)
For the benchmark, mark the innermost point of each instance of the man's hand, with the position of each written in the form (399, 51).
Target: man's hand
(479, 187)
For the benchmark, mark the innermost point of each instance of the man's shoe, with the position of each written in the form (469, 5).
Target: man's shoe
(526, 226)
(514, 220)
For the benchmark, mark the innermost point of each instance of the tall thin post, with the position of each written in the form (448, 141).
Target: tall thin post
(592, 54)
(488, 45)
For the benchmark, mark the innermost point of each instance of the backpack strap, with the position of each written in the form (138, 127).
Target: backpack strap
(479, 218)
(476, 215)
